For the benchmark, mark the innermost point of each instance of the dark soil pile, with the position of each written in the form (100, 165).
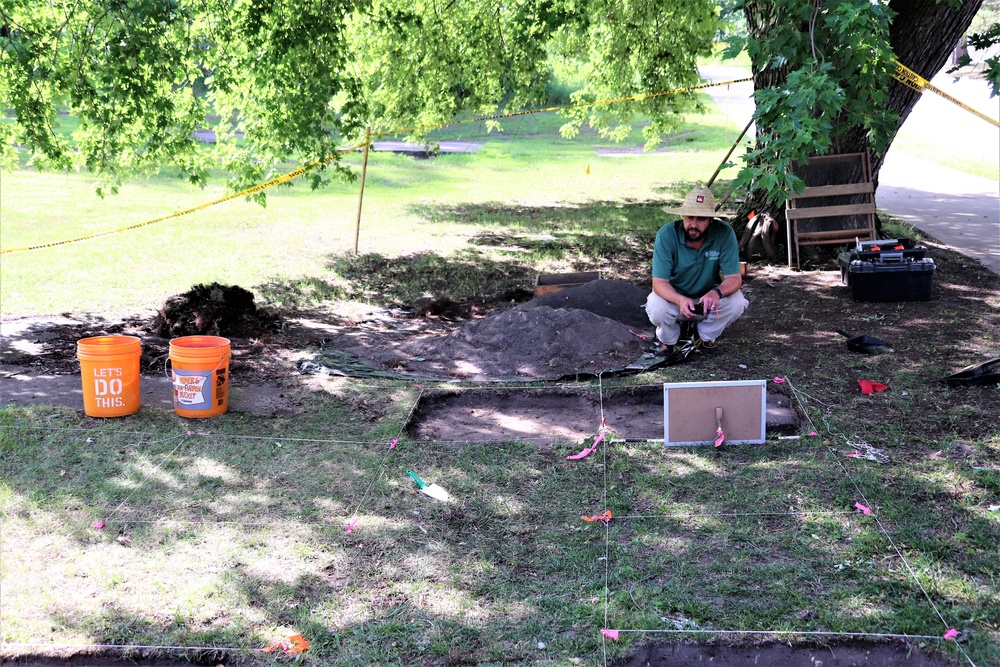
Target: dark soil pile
(615, 299)
(539, 342)
(212, 310)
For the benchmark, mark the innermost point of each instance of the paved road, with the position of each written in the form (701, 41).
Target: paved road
(955, 208)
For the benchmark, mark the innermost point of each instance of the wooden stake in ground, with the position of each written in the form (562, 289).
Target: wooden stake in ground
(361, 191)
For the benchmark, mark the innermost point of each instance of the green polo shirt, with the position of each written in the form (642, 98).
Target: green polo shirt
(694, 272)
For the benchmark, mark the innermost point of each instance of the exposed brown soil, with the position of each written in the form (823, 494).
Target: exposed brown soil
(789, 330)
(538, 415)
(839, 654)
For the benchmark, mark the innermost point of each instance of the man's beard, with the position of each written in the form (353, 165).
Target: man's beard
(693, 234)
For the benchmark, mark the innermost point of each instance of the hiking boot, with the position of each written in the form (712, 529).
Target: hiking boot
(708, 347)
(664, 350)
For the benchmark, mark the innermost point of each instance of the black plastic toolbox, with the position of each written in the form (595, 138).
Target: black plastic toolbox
(907, 280)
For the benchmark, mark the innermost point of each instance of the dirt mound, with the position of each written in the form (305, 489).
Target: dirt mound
(615, 299)
(212, 310)
(540, 342)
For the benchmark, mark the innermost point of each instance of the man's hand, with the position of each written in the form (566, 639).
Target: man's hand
(710, 302)
(688, 309)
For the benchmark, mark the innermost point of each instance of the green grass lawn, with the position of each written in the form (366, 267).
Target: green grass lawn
(222, 540)
(233, 537)
(409, 206)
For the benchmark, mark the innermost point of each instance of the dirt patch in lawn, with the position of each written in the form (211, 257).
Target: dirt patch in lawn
(537, 415)
(839, 654)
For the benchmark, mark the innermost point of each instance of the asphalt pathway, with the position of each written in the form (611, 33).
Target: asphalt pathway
(957, 209)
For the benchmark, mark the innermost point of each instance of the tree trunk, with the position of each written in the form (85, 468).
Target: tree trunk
(923, 35)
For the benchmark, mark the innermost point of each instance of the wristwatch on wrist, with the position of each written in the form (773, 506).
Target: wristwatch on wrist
(717, 291)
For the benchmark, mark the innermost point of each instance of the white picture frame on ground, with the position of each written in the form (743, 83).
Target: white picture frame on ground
(692, 412)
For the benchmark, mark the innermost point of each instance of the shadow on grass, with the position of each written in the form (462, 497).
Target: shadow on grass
(433, 580)
(506, 565)
(521, 243)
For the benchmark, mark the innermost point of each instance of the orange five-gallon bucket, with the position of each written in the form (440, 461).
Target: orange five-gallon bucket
(200, 375)
(109, 367)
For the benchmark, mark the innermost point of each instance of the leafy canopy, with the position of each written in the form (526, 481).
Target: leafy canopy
(296, 79)
(281, 79)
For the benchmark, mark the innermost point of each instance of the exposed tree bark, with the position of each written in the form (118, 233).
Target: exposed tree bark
(923, 35)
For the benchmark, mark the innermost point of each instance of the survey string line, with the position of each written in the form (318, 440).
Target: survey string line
(734, 514)
(881, 526)
(385, 456)
(607, 524)
(457, 384)
(902, 557)
(167, 521)
(155, 469)
(198, 433)
(795, 393)
(236, 436)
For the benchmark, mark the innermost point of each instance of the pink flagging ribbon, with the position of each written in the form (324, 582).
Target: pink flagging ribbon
(639, 335)
(951, 634)
(350, 526)
(719, 437)
(588, 450)
(864, 509)
(779, 380)
(97, 525)
(395, 441)
(610, 634)
(606, 517)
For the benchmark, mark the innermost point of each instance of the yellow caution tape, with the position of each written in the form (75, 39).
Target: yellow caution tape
(278, 180)
(581, 105)
(907, 76)
(902, 74)
(305, 168)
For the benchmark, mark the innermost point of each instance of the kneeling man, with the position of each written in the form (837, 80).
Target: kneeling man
(696, 275)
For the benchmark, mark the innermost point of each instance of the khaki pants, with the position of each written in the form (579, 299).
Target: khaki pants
(665, 317)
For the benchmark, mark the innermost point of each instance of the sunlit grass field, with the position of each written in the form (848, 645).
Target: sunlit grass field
(299, 231)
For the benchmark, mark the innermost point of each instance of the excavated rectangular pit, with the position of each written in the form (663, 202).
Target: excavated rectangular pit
(544, 415)
(541, 415)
